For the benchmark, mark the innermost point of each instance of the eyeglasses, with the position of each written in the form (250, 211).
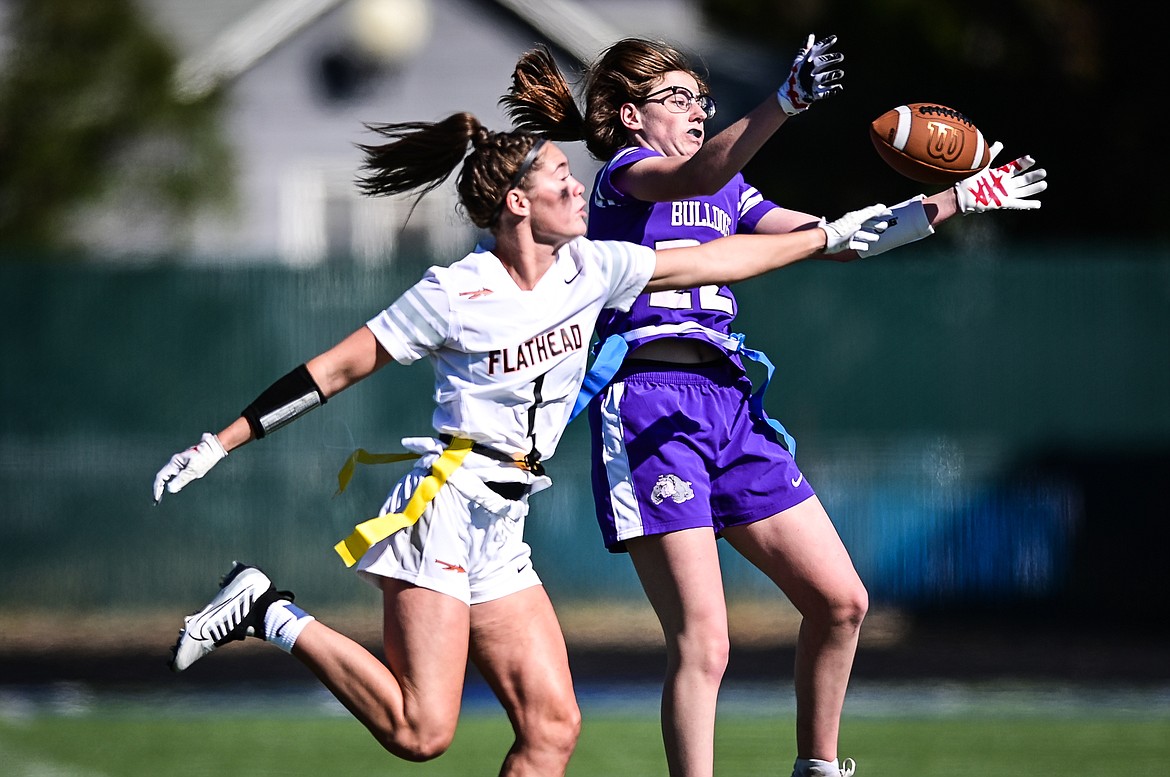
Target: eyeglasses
(679, 99)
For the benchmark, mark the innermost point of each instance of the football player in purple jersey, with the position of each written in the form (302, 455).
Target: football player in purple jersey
(682, 451)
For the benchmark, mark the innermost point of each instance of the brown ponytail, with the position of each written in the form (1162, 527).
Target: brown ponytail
(541, 101)
(422, 155)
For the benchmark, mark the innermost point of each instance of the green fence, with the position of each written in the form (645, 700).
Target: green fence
(930, 393)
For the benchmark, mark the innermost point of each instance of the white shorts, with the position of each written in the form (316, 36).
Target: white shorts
(469, 542)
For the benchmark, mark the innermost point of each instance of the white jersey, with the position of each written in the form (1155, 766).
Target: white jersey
(508, 362)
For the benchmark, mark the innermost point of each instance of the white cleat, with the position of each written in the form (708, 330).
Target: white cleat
(236, 612)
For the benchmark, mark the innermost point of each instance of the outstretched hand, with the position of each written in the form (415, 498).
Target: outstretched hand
(188, 465)
(1013, 186)
(856, 230)
(814, 76)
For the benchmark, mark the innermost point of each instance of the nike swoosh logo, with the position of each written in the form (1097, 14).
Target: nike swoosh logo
(570, 280)
(203, 633)
(797, 481)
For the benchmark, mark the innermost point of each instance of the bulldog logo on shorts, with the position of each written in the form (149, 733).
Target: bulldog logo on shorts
(671, 487)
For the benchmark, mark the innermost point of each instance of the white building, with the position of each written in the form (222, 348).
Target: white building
(302, 78)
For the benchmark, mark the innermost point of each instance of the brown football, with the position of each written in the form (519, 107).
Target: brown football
(929, 143)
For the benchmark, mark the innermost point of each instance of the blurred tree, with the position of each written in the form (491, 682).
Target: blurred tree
(1067, 81)
(87, 115)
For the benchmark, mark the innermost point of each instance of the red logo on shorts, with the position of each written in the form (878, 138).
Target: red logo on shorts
(450, 567)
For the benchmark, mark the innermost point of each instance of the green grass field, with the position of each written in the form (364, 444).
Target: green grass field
(138, 741)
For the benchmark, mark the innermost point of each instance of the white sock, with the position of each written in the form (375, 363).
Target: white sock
(283, 623)
(812, 767)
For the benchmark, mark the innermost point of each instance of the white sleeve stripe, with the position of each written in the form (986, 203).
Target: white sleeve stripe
(437, 319)
(624, 152)
(749, 199)
(628, 253)
(616, 249)
(602, 202)
(410, 316)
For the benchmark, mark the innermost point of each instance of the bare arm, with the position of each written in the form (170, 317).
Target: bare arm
(731, 259)
(781, 221)
(1014, 186)
(940, 206)
(935, 209)
(815, 74)
(296, 393)
(354, 358)
(662, 179)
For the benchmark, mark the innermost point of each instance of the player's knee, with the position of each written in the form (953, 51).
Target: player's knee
(565, 726)
(419, 745)
(554, 730)
(419, 750)
(852, 609)
(705, 652)
(568, 731)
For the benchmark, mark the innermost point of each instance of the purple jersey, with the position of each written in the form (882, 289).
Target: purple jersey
(676, 446)
(614, 215)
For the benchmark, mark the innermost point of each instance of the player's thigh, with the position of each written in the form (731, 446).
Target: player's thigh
(425, 635)
(681, 576)
(800, 550)
(518, 647)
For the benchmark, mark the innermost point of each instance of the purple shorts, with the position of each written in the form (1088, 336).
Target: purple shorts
(677, 448)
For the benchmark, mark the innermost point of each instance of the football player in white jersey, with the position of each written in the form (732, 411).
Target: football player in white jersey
(507, 330)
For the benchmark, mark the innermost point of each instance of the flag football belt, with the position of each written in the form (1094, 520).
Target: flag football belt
(369, 533)
(613, 351)
(529, 462)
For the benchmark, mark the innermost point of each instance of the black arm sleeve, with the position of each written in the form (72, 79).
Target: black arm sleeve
(283, 402)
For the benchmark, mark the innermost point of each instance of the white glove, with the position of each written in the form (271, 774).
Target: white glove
(908, 223)
(811, 78)
(188, 465)
(856, 229)
(1006, 186)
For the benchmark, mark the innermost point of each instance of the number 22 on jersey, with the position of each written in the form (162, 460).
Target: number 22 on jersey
(683, 299)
